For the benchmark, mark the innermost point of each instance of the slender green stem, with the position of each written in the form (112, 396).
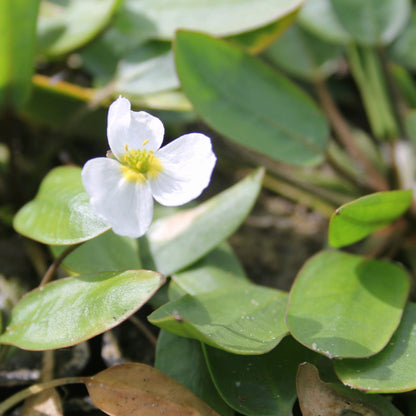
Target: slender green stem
(376, 76)
(359, 75)
(35, 389)
(367, 71)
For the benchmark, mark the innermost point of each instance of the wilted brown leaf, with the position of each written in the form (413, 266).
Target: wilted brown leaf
(138, 389)
(319, 398)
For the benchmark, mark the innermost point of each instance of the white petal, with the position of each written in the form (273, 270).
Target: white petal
(132, 128)
(187, 167)
(127, 206)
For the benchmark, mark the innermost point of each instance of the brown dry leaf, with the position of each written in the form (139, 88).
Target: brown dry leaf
(138, 389)
(46, 403)
(319, 398)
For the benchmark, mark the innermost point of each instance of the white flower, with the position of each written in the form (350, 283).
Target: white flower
(122, 187)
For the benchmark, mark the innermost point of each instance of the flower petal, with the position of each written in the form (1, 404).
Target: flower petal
(132, 128)
(187, 167)
(126, 205)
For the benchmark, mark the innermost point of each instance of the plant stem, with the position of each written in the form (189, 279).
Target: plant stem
(35, 389)
(341, 128)
(144, 329)
(367, 72)
(54, 266)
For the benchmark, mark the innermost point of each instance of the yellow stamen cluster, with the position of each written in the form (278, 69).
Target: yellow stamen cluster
(137, 165)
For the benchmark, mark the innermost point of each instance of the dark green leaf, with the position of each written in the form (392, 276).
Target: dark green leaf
(191, 372)
(241, 320)
(242, 98)
(259, 385)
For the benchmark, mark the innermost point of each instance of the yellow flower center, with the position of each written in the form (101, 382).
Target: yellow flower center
(138, 165)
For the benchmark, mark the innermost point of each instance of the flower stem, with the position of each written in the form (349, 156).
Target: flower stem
(367, 72)
(35, 389)
(343, 132)
(54, 266)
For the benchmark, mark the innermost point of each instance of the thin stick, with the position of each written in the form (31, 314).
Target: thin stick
(376, 180)
(35, 389)
(54, 266)
(144, 329)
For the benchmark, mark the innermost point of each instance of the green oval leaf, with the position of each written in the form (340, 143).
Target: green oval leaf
(66, 25)
(220, 268)
(241, 320)
(391, 370)
(217, 17)
(318, 17)
(259, 385)
(242, 98)
(357, 219)
(71, 310)
(17, 50)
(179, 240)
(147, 70)
(107, 252)
(192, 372)
(373, 22)
(344, 305)
(61, 213)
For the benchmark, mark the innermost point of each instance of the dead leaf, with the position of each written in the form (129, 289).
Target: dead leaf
(138, 389)
(319, 398)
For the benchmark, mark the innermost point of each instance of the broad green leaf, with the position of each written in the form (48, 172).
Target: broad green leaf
(60, 214)
(343, 305)
(107, 252)
(241, 320)
(17, 50)
(71, 310)
(147, 70)
(372, 22)
(318, 17)
(259, 385)
(357, 219)
(220, 268)
(191, 372)
(217, 17)
(303, 55)
(245, 100)
(391, 370)
(65, 25)
(183, 238)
